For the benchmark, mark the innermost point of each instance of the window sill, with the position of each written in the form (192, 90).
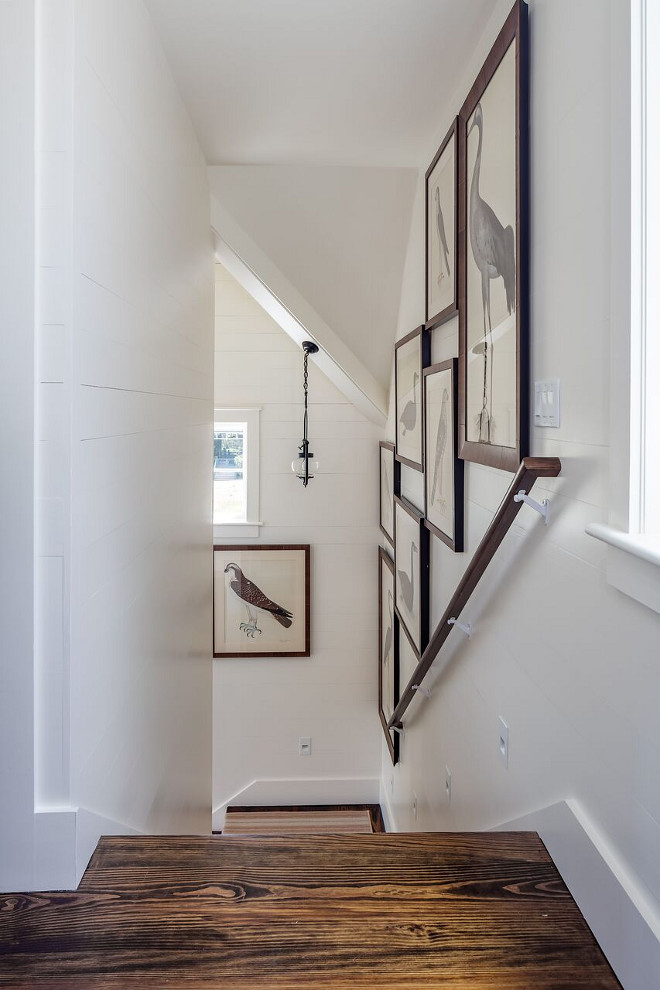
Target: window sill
(633, 563)
(239, 530)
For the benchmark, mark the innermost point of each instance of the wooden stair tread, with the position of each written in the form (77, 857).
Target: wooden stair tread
(296, 822)
(289, 912)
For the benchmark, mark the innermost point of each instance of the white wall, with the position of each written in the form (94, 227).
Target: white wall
(262, 706)
(111, 308)
(338, 234)
(17, 61)
(141, 412)
(571, 664)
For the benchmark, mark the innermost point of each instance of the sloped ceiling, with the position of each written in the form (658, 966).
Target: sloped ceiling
(339, 235)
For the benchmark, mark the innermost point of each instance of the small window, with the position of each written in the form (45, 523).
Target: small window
(230, 473)
(236, 472)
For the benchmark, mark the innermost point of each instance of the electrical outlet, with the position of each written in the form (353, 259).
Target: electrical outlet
(448, 785)
(305, 746)
(503, 743)
(414, 806)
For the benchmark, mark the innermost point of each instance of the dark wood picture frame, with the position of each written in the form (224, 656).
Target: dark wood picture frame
(396, 485)
(392, 737)
(424, 336)
(261, 547)
(419, 637)
(456, 541)
(514, 31)
(449, 311)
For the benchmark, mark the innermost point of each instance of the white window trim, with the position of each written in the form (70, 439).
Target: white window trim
(249, 529)
(633, 555)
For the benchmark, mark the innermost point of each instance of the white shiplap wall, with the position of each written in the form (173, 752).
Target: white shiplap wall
(570, 663)
(126, 409)
(262, 706)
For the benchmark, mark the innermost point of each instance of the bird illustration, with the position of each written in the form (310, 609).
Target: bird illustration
(254, 600)
(442, 237)
(408, 417)
(407, 584)
(440, 446)
(388, 635)
(493, 249)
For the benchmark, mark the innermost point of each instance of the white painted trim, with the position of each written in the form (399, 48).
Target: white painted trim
(615, 903)
(301, 790)
(236, 531)
(257, 274)
(386, 808)
(633, 562)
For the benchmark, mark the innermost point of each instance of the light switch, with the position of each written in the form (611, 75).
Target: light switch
(546, 402)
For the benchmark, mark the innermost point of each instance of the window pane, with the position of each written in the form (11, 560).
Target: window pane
(229, 473)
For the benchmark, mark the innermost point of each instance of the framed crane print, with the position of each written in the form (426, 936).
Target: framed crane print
(443, 479)
(390, 474)
(494, 253)
(442, 232)
(411, 355)
(388, 660)
(411, 566)
(261, 601)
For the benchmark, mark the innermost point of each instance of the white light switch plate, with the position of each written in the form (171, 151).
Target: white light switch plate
(546, 402)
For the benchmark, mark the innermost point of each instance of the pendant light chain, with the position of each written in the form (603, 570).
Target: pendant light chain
(304, 455)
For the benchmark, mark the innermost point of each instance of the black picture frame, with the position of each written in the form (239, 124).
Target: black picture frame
(391, 737)
(484, 450)
(435, 459)
(409, 413)
(393, 488)
(451, 309)
(404, 596)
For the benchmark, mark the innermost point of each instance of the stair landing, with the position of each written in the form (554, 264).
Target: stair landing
(471, 910)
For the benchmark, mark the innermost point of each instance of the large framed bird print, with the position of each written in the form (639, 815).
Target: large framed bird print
(411, 577)
(494, 254)
(411, 355)
(442, 232)
(443, 479)
(261, 601)
(388, 661)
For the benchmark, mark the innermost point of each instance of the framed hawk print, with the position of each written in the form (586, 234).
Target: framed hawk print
(390, 475)
(494, 254)
(442, 232)
(443, 480)
(261, 601)
(388, 663)
(411, 355)
(411, 580)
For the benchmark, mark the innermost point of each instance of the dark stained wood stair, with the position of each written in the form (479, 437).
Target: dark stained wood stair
(470, 910)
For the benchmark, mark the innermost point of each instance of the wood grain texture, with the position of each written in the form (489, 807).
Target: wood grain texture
(477, 910)
(301, 822)
(375, 813)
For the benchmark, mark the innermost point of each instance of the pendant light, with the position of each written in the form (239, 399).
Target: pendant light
(304, 466)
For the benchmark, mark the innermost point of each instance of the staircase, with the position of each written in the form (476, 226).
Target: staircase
(477, 910)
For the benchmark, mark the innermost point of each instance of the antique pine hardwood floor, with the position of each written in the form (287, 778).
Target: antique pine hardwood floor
(472, 910)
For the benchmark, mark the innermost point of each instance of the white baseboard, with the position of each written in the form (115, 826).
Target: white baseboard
(330, 790)
(64, 840)
(615, 904)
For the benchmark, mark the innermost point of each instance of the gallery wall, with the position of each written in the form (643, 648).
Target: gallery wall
(566, 660)
(263, 706)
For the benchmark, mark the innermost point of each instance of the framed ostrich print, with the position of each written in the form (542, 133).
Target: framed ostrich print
(388, 659)
(411, 578)
(442, 232)
(261, 601)
(443, 479)
(494, 253)
(390, 474)
(412, 354)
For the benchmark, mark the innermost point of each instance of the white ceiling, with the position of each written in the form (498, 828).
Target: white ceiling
(355, 82)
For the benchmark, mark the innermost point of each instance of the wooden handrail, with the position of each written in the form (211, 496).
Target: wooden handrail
(530, 469)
